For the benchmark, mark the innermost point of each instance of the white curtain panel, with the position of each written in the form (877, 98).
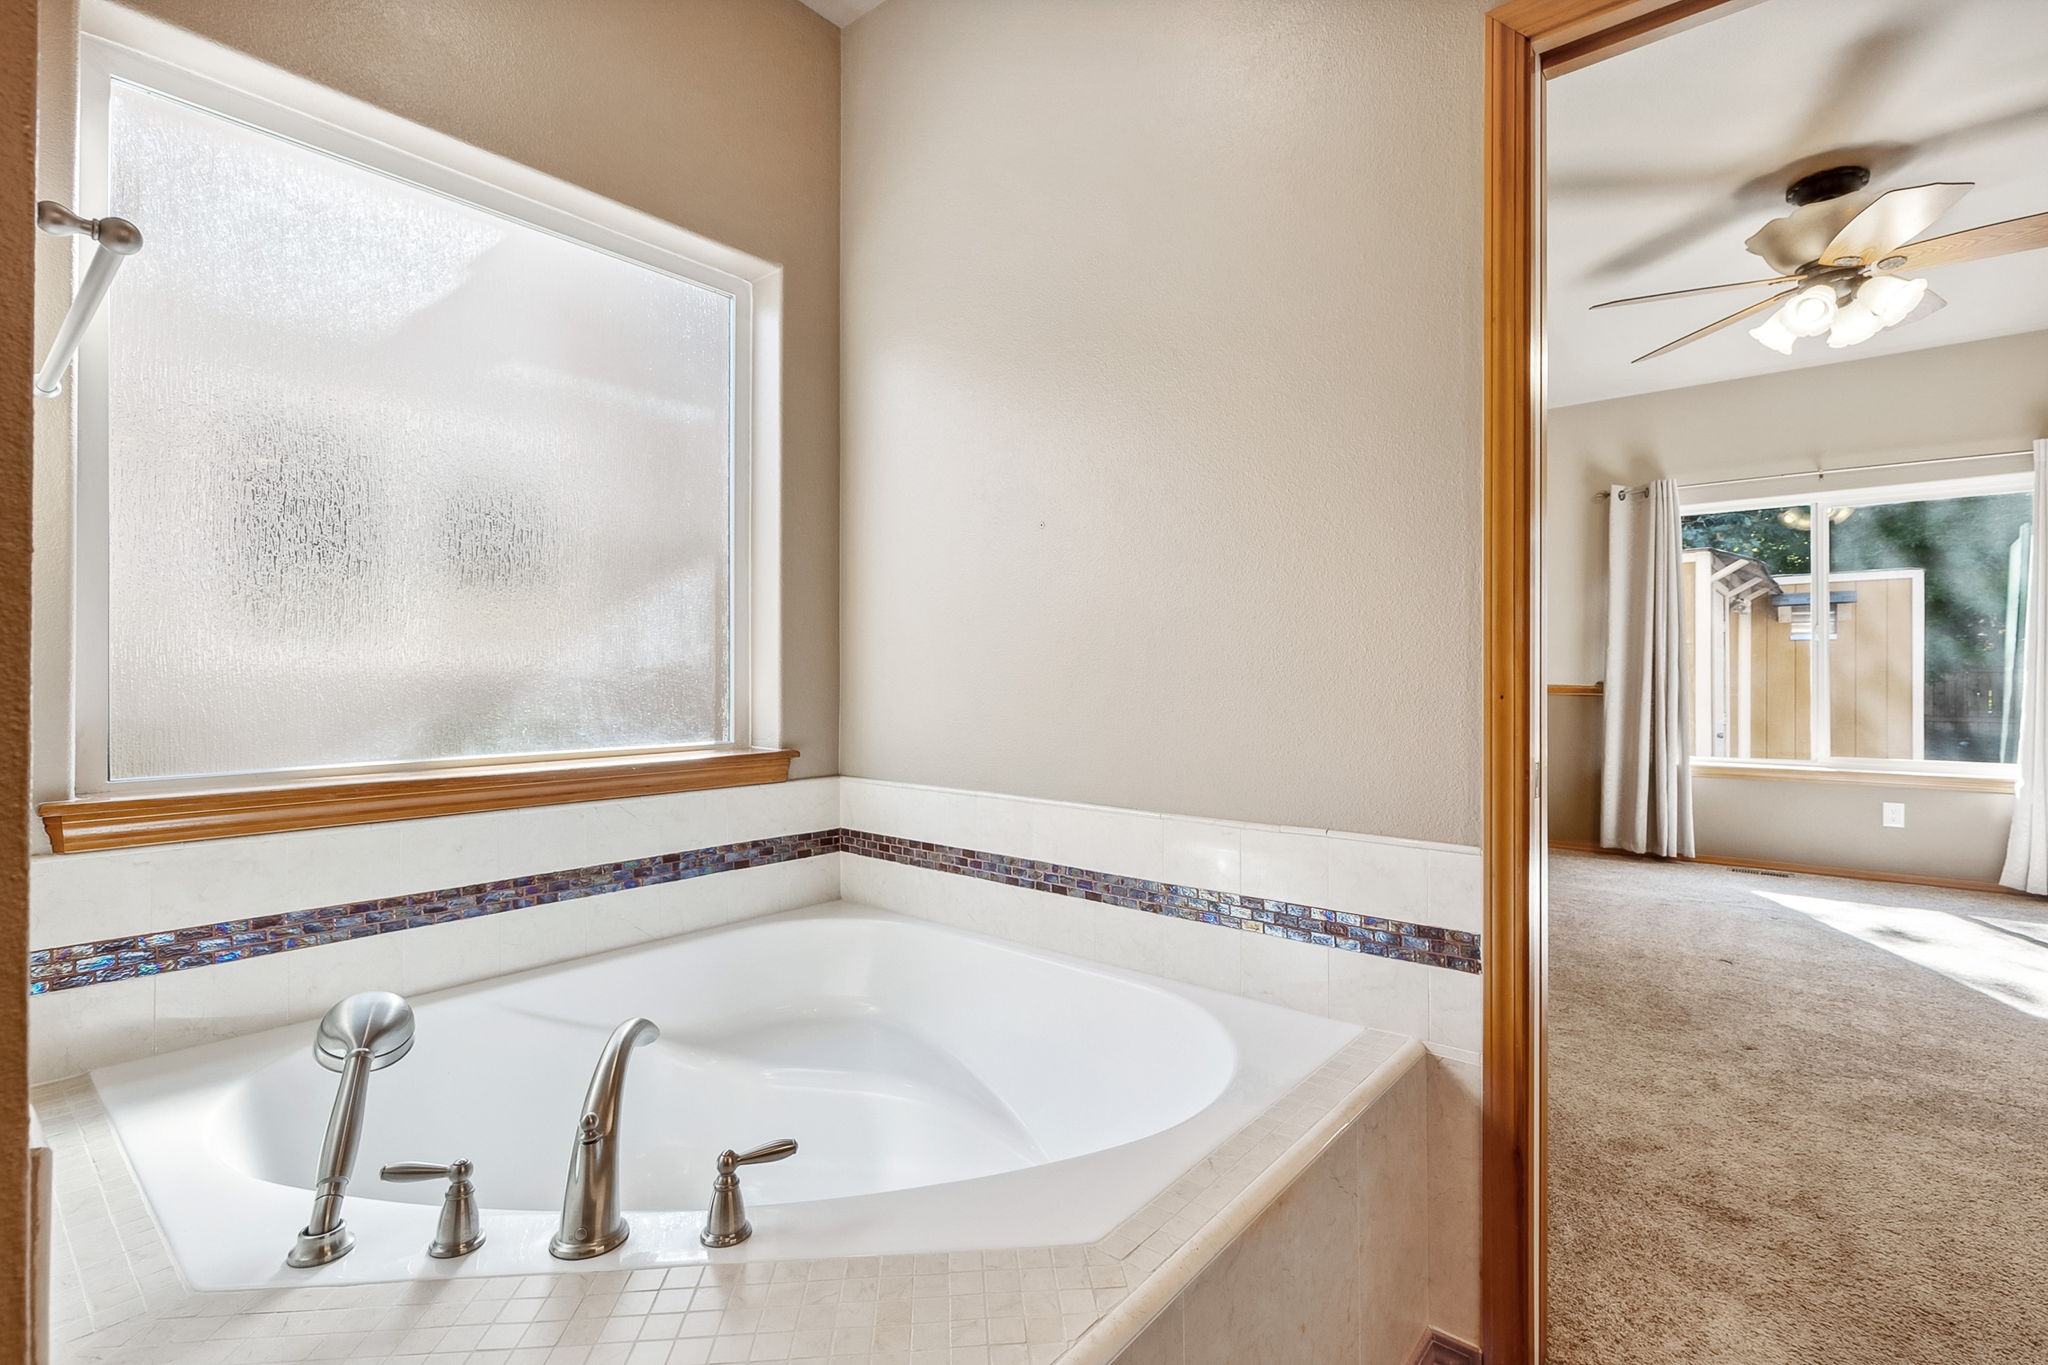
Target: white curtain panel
(2026, 851)
(1646, 770)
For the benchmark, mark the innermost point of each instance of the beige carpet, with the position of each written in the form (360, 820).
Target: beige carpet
(1774, 1141)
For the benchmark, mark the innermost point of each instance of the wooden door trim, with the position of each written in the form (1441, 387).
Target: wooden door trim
(1525, 41)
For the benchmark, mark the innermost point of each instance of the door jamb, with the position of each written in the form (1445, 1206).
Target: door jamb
(1527, 41)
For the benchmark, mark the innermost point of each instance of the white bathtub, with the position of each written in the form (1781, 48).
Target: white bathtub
(949, 1092)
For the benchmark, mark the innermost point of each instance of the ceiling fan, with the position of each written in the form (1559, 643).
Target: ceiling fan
(1841, 256)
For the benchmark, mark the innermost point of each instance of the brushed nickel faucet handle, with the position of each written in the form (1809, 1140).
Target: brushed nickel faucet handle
(773, 1151)
(460, 1231)
(725, 1223)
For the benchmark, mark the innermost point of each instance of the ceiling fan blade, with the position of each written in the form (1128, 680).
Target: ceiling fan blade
(1704, 289)
(1892, 219)
(1977, 243)
(1930, 302)
(1759, 306)
(1801, 236)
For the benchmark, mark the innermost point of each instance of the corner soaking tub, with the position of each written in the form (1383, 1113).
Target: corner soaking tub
(948, 1091)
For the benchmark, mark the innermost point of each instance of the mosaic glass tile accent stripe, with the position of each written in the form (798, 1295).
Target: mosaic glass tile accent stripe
(1397, 939)
(176, 950)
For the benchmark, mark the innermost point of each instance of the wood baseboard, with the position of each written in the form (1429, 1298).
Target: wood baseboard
(1803, 869)
(1437, 1349)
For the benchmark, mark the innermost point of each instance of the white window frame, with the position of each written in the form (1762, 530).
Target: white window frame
(117, 44)
(1822, 501)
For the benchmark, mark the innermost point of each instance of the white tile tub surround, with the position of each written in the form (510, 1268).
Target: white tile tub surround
(118, 1296)
(1362, 874)
(107, 895)
(1327, 1273)
(1454, 1140)
(77, 897)
(92, 1026)
(1392, 878)
(1331, 1266)
(81, 897)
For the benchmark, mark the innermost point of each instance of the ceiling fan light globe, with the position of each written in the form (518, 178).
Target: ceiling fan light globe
(1811, 311)
(1891, 298)
(1775, 334)
(1855, 323)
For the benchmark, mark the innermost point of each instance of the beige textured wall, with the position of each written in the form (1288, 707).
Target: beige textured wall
(721, 116)
(1981, 397)
(1161, 414)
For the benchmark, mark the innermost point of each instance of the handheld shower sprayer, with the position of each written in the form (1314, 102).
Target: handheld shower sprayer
(363, 1033)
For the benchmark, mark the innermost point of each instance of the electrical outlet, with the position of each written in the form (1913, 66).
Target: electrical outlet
(1894, 815)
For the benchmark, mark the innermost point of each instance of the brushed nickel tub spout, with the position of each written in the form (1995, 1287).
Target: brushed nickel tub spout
(591, 1224)
(363, 1033)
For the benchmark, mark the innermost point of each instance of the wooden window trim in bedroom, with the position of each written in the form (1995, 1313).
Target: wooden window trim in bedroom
(1996, 783)
(89, 823)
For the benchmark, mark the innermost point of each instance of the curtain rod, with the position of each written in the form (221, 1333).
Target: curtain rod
(1844, 469)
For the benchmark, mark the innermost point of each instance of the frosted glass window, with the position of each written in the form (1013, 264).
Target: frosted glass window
(393, 478)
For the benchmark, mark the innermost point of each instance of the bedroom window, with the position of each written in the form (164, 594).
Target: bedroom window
(395, 458)
(1902, 608)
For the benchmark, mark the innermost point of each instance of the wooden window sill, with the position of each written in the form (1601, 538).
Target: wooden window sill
(86, 824)
(1996, 783)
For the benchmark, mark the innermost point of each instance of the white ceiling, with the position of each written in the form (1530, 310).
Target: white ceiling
(842, 12)
(1664, 159)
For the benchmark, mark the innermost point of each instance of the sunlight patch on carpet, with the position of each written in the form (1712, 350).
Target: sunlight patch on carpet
(2011, 970)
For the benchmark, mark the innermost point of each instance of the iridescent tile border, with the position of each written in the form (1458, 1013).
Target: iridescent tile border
(176, 950)
(1397, 939)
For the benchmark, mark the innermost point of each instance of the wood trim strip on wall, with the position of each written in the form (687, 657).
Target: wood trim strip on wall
(1992, 783)
(88, 823)
(1511, 1158)
(1804, 869)
(20, 1313)
(1577, 689)
(1628, 35)
(1516, 37)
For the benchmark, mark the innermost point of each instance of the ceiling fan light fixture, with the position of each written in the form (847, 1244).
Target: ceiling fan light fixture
(1855, 323)
(1775, 334)
(1810, 312)
(1892, 298)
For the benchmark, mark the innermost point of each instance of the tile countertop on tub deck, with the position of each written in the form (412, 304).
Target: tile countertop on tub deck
(118, 1297)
